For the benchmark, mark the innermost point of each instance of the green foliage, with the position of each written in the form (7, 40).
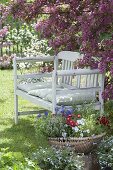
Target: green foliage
(15, 161)
(21, 36)
(55, 159)
(109, 106)
(50, 126)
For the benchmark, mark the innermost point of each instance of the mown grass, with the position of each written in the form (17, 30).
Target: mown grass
(21, 137)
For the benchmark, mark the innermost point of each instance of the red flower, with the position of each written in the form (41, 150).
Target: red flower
(68, 121)
(68, 118)
(103, 120)
(79, 116)
(72, 123)
(76, 124)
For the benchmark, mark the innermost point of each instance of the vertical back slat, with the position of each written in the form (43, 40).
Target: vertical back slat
(78, 81)
(71, 67)
(68, 68)
(96, 80)
(65, 68)
(87, 80)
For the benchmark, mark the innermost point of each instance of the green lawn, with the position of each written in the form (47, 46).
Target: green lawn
(21, 137)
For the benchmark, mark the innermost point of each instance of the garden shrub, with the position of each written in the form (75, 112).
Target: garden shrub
(21, 36)
(38, 47)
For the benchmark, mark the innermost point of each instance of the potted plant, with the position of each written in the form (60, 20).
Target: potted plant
(81, 131)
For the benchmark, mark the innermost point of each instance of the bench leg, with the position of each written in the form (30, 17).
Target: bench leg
(54, 111)
(16, 109)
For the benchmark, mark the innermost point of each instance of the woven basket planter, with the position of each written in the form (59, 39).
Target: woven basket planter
(80, 145)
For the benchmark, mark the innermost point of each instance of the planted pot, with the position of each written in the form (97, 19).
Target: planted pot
(80, 145)
(86, 145)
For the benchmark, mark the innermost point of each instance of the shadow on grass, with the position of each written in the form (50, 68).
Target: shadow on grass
(21, 137)
(2, 100)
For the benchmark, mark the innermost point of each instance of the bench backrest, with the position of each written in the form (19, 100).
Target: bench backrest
(80, 81)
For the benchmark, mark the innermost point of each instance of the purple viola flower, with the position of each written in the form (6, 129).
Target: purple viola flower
(60, 110)
(39, 115)
(68, 112)
(46, 113)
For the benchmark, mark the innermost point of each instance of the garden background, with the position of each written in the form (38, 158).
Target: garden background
(19, 143)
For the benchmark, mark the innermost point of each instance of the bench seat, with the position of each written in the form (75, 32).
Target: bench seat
(64, 96)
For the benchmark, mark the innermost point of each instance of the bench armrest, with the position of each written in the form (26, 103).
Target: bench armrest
(77, 72)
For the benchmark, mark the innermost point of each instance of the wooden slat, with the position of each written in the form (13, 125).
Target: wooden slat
(86, 80)
(77, 72)
(71, 67)
(69, 55)
(37, 75)
(31, 112)
(69, 87)
(68, 68)
(34, 59)
(65, 68)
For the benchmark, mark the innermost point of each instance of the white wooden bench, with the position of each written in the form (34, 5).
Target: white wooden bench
(71, 84)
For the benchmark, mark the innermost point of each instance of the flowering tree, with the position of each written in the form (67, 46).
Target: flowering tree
(4, 13)
(71, 25)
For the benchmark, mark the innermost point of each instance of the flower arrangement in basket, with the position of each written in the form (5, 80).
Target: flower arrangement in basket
(79, 130)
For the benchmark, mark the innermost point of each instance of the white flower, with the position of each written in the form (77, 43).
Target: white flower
(88, 131)
(76, 129)
(81, 121)
(22, 65)
(81, 134)
(64, 134)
